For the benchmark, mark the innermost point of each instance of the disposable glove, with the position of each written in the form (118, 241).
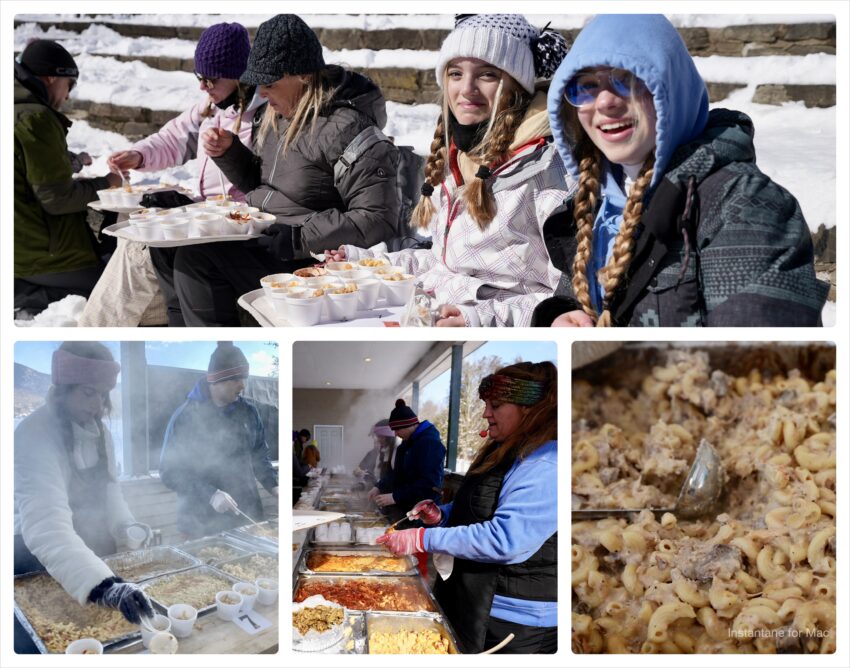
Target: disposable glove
(427, 511)
(222, 502)
(406, 541)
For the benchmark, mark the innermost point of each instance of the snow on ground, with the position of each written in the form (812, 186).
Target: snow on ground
(421, 21)
(795, 146)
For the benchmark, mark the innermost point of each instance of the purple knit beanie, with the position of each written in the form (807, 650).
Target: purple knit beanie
(222, 51)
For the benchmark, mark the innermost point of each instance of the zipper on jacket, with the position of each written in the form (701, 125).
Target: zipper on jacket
(271, 174)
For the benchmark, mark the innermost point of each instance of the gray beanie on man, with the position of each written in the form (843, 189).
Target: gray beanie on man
(283, 45)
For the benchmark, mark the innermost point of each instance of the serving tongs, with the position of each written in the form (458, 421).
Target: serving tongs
(247, 517)
(697, 497)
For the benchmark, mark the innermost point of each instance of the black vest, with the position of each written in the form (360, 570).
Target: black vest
(467, 595)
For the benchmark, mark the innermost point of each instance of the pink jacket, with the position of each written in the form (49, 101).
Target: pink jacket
(179, 141)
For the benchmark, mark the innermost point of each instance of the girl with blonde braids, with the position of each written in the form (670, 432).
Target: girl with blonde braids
(673, 224)
(493, 177)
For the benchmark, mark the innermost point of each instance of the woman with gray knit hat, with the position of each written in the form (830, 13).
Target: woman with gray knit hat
(315, 111)
(128, 293)
(493, 178)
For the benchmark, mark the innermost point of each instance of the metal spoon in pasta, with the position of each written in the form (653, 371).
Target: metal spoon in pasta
(698, 496)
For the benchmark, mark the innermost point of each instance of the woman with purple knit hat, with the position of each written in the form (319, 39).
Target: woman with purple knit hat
(128, 294)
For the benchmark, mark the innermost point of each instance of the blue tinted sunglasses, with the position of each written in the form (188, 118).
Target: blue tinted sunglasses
(583, 88)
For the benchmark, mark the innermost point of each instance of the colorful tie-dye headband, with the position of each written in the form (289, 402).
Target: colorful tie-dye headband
(511, 390)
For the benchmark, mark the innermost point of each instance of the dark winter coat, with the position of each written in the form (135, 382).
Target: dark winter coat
(313, 213)
(207, 448)
(719, 244)
(51, 232)
(417, 472)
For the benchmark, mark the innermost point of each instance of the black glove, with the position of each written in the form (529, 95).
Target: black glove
(277, 241)
(165, 199)
(125, 597)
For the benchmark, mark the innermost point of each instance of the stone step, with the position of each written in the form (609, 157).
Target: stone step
(794, 39)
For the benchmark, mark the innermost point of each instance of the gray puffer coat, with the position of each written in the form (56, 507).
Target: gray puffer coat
(313, 213)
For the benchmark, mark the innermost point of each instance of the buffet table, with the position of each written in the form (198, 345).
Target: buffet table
(186, 573)
(388, 603)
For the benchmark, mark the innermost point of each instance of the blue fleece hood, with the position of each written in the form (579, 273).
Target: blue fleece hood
(650, 47)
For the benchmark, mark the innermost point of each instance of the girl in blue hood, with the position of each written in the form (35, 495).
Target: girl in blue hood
(672, 224)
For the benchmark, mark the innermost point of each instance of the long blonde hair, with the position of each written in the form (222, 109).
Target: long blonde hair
(512, 102)
(318, 91)
(589, 162)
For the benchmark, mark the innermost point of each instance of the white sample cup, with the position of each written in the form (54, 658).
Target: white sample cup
(159, 623)
(248, 591)
(85, 646)
(266, 591)
(228, 604)
(182, 617)
(136, 536)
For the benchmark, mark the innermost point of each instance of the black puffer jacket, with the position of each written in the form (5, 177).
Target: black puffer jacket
(313, 213)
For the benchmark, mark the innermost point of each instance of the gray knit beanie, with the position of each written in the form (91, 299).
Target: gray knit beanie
(507, 41)
(283, 45)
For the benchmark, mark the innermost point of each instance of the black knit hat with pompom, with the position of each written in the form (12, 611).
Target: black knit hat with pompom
(402, 416)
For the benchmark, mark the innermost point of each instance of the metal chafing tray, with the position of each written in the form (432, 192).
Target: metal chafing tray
(410, 581)
(237, 548)
(109, 644)
(240, 560)
(205, 570)
(262, 541)
(384, 622)
(410, 562)
(139, 565)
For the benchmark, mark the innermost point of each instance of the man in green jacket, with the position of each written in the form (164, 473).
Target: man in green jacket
(55, 251)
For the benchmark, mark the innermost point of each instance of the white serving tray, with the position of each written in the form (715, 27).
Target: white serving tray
(123, 230)
(261, 308)
(97, 205)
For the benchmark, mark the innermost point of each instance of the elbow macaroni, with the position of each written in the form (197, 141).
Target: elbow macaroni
(760, 577)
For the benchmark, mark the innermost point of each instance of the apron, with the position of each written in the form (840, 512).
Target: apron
(467, 595)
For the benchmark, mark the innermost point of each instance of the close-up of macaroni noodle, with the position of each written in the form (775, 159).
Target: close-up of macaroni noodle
(757, 575)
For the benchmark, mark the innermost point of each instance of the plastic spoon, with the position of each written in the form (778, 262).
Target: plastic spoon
(496, 648)
(697, 497)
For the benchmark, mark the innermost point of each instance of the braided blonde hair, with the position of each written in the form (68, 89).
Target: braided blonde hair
(512, 103)
(584, 212)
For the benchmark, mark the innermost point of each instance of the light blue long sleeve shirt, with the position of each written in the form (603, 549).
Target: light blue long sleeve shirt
(526, 516)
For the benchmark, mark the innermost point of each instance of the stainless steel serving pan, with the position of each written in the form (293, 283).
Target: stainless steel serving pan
(206, 570)
(409, 560)
(139, 565)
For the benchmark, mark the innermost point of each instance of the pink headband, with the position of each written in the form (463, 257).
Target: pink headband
(383, 430)
(70, 369)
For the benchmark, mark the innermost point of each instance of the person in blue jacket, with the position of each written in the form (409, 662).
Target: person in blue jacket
(214, 451)
(673, 223)
(495, 546)
(417, 471)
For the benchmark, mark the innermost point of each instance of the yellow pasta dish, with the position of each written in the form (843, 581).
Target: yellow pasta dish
(759, 575)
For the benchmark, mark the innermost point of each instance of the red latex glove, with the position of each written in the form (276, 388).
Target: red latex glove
(407, 541)
(427, 511)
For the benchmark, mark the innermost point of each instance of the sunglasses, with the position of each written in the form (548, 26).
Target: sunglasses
(583, 88)
(207, 82)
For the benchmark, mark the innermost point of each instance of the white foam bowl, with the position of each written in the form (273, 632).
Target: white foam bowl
(85, 646)
(261, 221)
(282, 279)
(131, 198)
(108, 196)
(356, 274)
(342, 306)
(207, 224)
(148, 229)
(380, 272)
(228, 611)
(303, 311)
(336, 268)
(230, 226)
(321, 282)
(398, 293)
(182, 628)
(267, 590)
(159, 623)
(368, 291)
(174, 228)
(362, 265)
(143, 213)
(248, 591)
